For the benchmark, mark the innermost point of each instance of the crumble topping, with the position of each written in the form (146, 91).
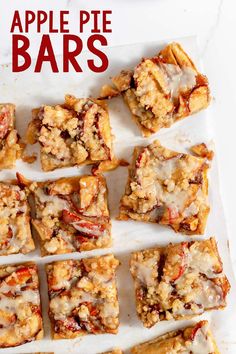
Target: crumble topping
(71, 214)
(20, 312)
(71, 134)
(162, 89)
(178, 281)
(168, 188)
(83, 296)
(10, 148)
(15, 233)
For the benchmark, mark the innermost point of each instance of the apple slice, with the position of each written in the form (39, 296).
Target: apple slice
(142, 158)
(85, 227)
(173, 214)
(176, 262)
(19, 277)
(195, 329)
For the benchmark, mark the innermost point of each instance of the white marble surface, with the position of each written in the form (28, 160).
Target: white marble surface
(213, 21)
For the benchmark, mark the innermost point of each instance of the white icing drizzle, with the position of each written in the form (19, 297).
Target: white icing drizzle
(193, 209)
(178, 79)
(206, 294)
(145, 271)
(109, 309)
(96, 230)
(197, 284)
(11, 304)
(154, 173)
(54, 204)
(202, 262)
(201, 343)
(63, 306)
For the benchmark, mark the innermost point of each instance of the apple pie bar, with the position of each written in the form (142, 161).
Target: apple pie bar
(178, 281)
(194, 339)
(15, 232)
(74, 133)
(71, 214)
(168, 188)
(163, 89)
(10, 148)
(20, 311)
(83, 296)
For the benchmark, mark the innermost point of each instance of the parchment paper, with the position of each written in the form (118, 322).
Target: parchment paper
(29, 90)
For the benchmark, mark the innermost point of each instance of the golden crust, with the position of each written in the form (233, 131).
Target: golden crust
(195, 337)
(167, 187)
(74, 133)
(106, 166)
(202, 151)
(163, 89)
(83, 297)
(71, 214)
(108, 92)
(10, 147)
(15, 232)
(174, 54)
(178, 281)
(21, 319)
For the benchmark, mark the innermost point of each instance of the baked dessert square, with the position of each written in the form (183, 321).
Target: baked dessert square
(20, 311)
(83, 296)
(168, 188)
(71, 214)
(163, 89)
(10, 147)
(15, 232)
(193, 339)
(74, 133)
(178, 281)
